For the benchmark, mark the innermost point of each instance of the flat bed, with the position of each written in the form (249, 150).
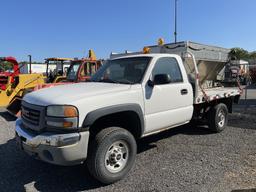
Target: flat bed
(217, 93)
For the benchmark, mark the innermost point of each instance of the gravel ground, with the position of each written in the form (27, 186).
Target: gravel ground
(182, 159)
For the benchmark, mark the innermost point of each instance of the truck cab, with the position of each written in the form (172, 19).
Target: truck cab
(82, 70)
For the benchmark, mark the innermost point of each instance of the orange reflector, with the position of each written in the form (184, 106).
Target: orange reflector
(67, 124)
(70, 111)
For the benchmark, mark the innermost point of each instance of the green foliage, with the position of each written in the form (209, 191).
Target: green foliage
(33, 62)
(253, 55)
(6, 66)
(240, 53)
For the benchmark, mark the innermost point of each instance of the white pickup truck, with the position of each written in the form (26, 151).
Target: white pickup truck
(130, 97)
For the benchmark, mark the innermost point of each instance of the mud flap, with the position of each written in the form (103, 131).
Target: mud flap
(15, 106)
(236, 99)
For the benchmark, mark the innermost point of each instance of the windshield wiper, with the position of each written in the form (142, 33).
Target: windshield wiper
(108, 81)
(125, 81)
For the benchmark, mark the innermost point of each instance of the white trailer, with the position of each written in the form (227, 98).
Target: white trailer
(39, 67)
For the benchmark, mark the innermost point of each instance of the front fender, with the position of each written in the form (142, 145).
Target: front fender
(92, 116)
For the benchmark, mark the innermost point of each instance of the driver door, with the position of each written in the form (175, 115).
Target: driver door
(171, 104)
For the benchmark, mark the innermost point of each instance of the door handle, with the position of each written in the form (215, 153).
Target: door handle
(184, 92)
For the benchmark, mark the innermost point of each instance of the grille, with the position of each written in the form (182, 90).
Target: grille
(32, 116)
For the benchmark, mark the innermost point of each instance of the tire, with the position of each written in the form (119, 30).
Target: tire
(218, 117)
(111, 154)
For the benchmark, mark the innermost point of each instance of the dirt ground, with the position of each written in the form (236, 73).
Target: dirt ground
(187, 158)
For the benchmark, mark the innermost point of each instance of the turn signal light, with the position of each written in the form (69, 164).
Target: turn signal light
(70, 111)
(146, 50)
(67, 124)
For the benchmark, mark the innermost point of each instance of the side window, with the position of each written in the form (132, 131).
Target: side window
(168, 65)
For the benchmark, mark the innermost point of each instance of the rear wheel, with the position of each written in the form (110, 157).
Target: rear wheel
(111, 154)
(218, 117)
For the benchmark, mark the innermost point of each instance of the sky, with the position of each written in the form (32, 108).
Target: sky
(69, 28)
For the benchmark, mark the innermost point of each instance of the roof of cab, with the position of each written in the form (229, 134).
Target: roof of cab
(146, 55)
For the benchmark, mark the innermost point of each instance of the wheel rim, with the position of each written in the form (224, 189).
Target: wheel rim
(117, 156)
(221, 118)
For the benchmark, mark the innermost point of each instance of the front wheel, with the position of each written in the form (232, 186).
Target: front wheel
(218, 117)
(111, 154)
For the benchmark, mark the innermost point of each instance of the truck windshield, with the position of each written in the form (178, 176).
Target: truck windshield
(124, 71)
(72, 71)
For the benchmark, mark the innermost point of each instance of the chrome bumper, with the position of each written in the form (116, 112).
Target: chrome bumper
(61, 149)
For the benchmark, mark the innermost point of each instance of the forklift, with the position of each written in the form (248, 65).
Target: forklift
(56, 69)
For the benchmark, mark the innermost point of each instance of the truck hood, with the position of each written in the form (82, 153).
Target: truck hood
(66, 94)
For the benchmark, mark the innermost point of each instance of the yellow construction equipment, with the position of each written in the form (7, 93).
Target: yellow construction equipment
(13, 84)
(57, 73)
(16, 90)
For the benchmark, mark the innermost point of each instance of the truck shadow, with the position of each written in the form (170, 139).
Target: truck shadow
(147, 143)
(242, 121)
(29, 173)
(20, 172)
(7, 116)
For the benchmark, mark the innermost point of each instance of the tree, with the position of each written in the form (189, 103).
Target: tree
(239, 53)
(253, 55)
(6, 66)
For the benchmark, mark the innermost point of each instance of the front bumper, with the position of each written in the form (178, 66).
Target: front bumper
(61, 149)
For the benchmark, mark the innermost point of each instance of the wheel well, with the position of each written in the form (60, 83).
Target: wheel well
(206, 106)
(228, 102)
(128, 120)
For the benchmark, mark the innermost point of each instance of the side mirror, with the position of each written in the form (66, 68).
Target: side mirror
(151, 83)
(161, 79)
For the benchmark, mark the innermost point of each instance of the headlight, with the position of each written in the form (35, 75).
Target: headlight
(61, 111)
(58, 116)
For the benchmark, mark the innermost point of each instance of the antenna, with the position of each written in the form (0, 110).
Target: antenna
(175, 22)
